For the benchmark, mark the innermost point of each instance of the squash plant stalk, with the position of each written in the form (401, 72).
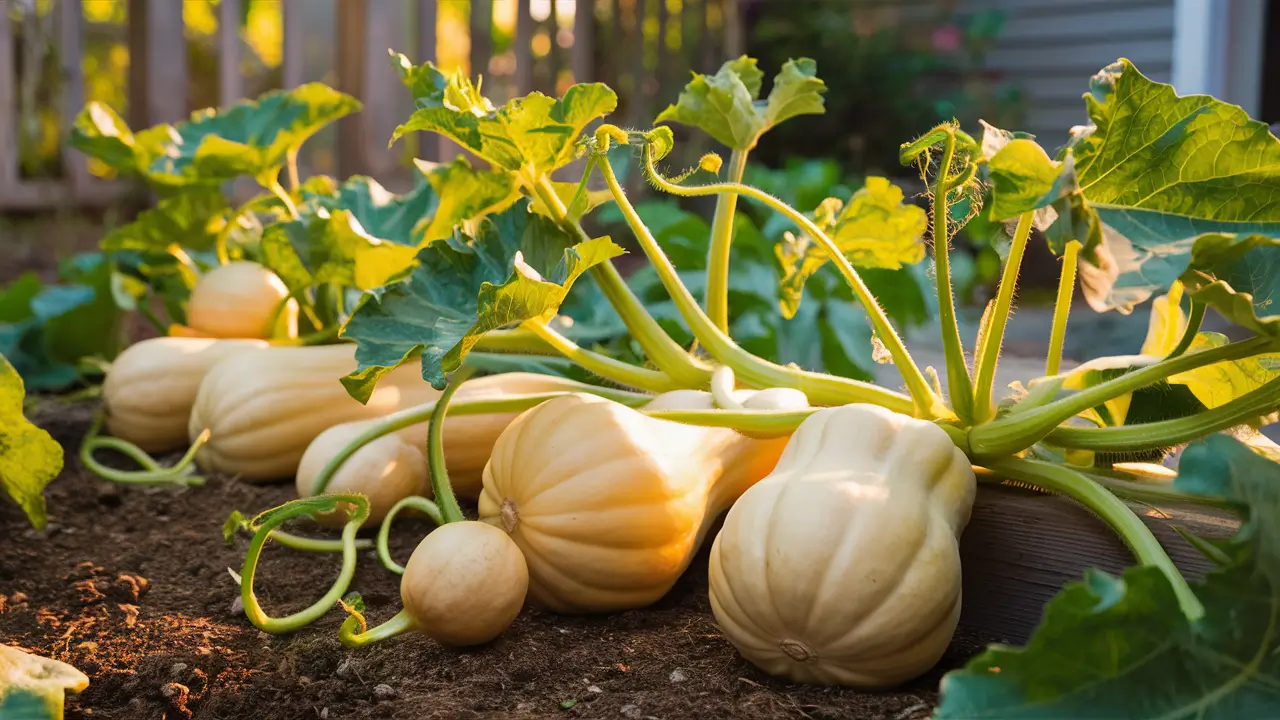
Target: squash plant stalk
(925, 403)
(993, 339)
(822, 389)
(1165, 433)
(665, 353)
(602, 365)
(440, 488)
(357, 508)
(1018, 432)
(152, 473)
(958, 381)
(1194, 320)
(1062, 308)
(717, 300)
(1111, 509)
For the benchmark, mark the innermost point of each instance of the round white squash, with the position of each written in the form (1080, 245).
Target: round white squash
(240, 300)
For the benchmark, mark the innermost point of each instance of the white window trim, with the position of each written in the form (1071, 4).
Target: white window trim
(1217, 49)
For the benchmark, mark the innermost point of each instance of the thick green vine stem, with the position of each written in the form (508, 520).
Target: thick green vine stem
(759, 423)
(602, 365)
(721, 241)
(1062, 308)
(480, 406)
(153, 473)
(357, 507)
(821, 389)
(1194, 321)
(440, 487)
(1017, 432)
(1260, 401)
(1112, 510)
(959, 383)
(665, 353)
(289, 540)
(417, 502)
(993, 339)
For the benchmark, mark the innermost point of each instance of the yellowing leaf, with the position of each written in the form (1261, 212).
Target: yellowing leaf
(34, 687)
(1217, 384)
(29, 457)
(1166, 324)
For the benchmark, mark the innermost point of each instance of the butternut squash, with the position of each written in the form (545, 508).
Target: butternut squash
(843, 566)
(608, 504)
(151, 387)
(264, 408)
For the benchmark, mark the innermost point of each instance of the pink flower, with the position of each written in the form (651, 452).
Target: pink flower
(947, 39)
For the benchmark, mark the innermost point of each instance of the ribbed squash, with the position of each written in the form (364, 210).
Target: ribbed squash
(242, 300)
(608, 504)
(264, 408)
(151, 387)
(394, 466)
(843, 566)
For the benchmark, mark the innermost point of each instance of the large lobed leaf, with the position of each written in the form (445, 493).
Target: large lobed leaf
(29, 457)
(518, 266)
(190, 219)
(727, 105)
(360, 236)
(1120, 647)
(251, 137)
(1142, 183)
(534, 134)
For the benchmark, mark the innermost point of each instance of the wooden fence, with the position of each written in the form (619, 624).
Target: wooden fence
(620, 42)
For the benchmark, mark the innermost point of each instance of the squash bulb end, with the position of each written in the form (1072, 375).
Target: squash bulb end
(797, 650)
(510, 515)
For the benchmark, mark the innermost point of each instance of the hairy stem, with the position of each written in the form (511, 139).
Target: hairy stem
(1015, 433)
(958, 381)
(358, 511)
(1112, 510)
(1062, 308)
(994, 337)
(822, 389)
(602, 365)
(1260, 401)
(717, 300)
(665, 353)
(417, 502)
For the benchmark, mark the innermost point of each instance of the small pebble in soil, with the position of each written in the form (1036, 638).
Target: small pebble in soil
(324, 713)
(631, 711)
(384, 692)
(677, 675)
(594, 689)
(177, 669)
(237, 607)
(344, 668)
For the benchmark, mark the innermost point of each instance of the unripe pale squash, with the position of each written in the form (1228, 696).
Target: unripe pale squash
(608, 504)
(843, 566)
(394, 466)
(263, 409)
(240, 300)
(151, 387)
(464, 584)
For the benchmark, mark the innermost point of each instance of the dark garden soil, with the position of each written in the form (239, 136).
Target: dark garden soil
(130, 585)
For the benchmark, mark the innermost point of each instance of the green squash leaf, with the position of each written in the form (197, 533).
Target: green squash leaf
(29, 457)
(518, 266)
(191, 219)
(362, 236)
(1217, 384)
(726, 105)
(874, 230)
(251, 137)
(466, 195)
(534, 134)
(1239, 276)
(1140, 185)
(1120, 647)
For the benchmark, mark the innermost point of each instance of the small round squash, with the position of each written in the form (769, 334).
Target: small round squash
(239, 300)
(465, 583)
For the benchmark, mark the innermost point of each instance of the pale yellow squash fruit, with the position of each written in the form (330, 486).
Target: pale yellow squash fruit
(241, 300)
(393, 467)
(608, 504)
(843, 566)
(464, 584)
(152, 385)
(263, 409)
